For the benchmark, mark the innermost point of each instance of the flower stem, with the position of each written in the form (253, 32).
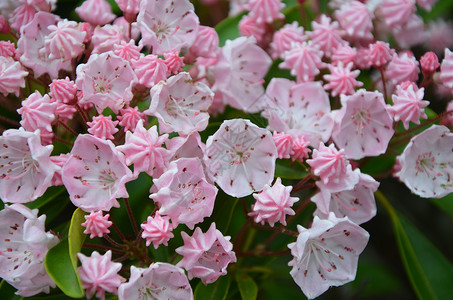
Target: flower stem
(131, 216)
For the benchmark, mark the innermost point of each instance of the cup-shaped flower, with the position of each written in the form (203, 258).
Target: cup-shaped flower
(363, 126)
(427, 163)
(181, 104)
(183, 193)
(240, 157)
(326, 254)
(167, 25)
(26, 170)
(23, 247)
(106, 80)
(206, 255)
(99, 274)
(95, 174)
(357, 203)
(159, 281)
(299, 109)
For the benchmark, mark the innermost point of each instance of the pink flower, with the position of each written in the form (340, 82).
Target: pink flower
(300, 148)
(342, 80)
(345, 54)
(402, 67)
(333, 168)
(429, 63)
(299, 109)
(355, 18)
(99, 274)
(174, 62)
(21, 16)
(326, 35)
(183, 193)
(304, 61)
(206, 255)
(37, 112)
(284, 144)
(143, 148)
(326, 254)
(7, 49)
(166, 26)
(426, 163)
(95, 174)
(103, 127)
(157, 230)
(186, 146)
(63, 90)
(240, 157)
(130, 8)
(129, 118)
(396, 12)
(24, 245)
(32, 40)
(266, 11)
(180, 104)
(239, 73)
(96, 224)
(128, 51)
(426, 4)
(150, 70)
(206, 44)
(440, 36)
(379, 54)
(96, 12)
(363, 125)
(64, 41)
(408, 104)
(159, 281)
(26, 170)
(412, 33)
(362, 60)
(284, 38)
(12, 76)
(106, 80)
(248, 26)
(446, 69)
(357, 204)
(273, 204)
(107, 37)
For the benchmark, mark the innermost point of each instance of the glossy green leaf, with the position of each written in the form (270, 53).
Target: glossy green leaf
(76, 237)
(60, 268)
(285, 168)
(214, 291)
(247, 286)
(445, 203)
(430, 273)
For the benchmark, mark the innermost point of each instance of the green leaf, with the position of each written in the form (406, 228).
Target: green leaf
(228, 29)
(7, 291)
(430, 273)
(247, 286)
(61, 261)
(286, 169)
(60, 268)
(76, 237)
(445, 203)
(214, 291)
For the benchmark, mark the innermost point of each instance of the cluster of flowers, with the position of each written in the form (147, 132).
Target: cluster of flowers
(95, 73)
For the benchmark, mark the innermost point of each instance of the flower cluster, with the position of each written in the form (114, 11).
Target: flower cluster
(281, 119)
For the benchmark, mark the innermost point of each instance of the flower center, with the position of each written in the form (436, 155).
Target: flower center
(361, 118)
